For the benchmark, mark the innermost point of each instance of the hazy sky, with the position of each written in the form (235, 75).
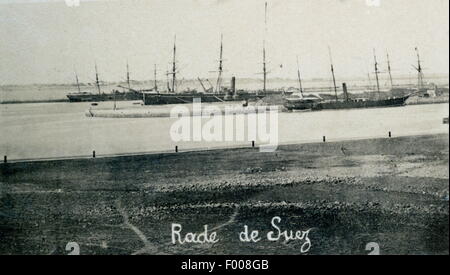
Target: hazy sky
(43, 42)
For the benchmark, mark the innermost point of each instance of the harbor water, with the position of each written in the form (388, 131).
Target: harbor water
(58, 130)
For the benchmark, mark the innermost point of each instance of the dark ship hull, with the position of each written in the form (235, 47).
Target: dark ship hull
(183, 98)
(350, 104)
(90, 97)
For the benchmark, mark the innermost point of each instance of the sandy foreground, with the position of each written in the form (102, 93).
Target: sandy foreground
(393, 192)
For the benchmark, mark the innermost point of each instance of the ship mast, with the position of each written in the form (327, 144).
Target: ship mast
(299, 78)
(419, 71)
(167, 79)
(156, 84)
(128, 77)
(264, 51)
(376, 72)
(332, 73)
(78, 83)
(264, 68)
(97, 82)
(219, 77)
(389, 70)
(174, 66)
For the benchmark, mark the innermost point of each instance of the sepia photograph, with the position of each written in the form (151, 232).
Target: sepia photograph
(224, 128)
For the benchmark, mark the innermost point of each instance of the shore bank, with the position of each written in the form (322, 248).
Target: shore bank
(34, 101)
(390, 191)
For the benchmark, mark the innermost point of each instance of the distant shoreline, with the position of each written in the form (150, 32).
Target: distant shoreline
(245, 79)
(34, 101)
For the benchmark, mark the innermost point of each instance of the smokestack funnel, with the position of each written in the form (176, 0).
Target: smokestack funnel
(344, 88)
(233, 85)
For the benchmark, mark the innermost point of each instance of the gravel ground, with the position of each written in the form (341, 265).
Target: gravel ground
(390, 191)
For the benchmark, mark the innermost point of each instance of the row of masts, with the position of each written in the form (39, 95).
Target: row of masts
(97, 81)
(173, 88)
(420, 84)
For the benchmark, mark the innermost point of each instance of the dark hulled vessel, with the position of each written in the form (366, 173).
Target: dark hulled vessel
(114, 96)
(181, 98)
(347, 103)
(213, 94)
(156, 98)
(361, 103)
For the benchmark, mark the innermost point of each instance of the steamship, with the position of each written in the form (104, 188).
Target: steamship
(213, 94)
(225, 95)
(315, 104)
(303, 103)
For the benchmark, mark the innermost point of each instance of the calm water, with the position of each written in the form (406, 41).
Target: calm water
(48, 130)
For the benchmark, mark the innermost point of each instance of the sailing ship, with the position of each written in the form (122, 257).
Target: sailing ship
(347, 102)
(213, 94)
(115, 95)
(217, 94)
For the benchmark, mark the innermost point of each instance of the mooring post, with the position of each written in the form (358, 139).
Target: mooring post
(93, 154)
(253, 144)
(5, 159)
(390, 134)
(176, 149)
(324, 139)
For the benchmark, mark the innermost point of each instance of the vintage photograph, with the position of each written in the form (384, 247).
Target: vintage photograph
(224, 127)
